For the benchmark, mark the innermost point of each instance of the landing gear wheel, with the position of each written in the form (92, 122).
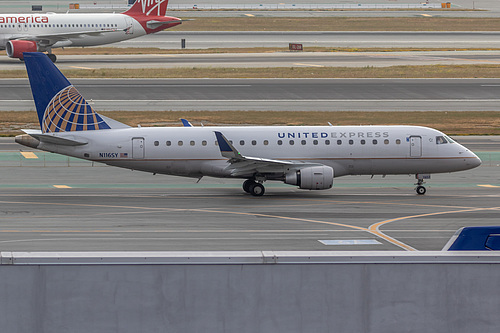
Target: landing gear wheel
(246, 185)
(420, 190)
(52, 57)
(257, 189)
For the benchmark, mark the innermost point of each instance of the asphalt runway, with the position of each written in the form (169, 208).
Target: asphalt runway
(223, 39)
(275, 59)
(273, 94)
(170, 39)
(52, 203)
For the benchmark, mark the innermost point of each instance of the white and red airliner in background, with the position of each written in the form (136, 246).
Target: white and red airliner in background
(42, 32)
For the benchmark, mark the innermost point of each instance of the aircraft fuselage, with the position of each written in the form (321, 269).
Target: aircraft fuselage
(349, 150)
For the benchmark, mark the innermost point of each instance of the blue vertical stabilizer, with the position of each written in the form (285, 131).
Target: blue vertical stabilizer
(59, 105)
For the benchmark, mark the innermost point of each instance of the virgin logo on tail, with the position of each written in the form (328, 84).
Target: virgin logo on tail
(148, 7)
(151, 5)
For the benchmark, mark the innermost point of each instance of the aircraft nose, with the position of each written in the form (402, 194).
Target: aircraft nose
(472, 160)
(475, 162)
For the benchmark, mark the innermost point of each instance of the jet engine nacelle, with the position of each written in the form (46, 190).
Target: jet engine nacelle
(311, 178)
(15, 48)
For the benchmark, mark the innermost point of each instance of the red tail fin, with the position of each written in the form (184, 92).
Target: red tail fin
(148, 8)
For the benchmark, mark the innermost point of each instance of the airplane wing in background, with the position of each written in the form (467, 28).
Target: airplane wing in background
(241, 166)
(51, 39)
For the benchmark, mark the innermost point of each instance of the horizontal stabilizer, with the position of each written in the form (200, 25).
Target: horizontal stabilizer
(67, 140)
(153, 24)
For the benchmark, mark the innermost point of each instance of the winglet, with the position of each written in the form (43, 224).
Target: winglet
(186, 123)
(226, 148)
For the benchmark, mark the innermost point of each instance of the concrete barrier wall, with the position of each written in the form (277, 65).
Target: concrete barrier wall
(250, 292)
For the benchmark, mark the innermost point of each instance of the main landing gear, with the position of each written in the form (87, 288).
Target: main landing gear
(420, 188)
(254, 188)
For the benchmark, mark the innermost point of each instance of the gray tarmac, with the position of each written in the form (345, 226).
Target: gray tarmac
(227, 39)
(57, 204)
(275, 59)
(272, 94)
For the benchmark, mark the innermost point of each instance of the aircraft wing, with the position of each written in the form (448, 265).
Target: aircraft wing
(50, 39)
(247, 166)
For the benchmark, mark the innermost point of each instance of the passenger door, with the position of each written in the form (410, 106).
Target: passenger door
(415, 146)
(137, 147)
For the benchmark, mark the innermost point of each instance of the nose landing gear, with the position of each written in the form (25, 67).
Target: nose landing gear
(420, 189)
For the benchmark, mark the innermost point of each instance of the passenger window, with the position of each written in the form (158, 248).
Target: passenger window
(339, 142)
(192, 143)
(204, 143)
(180, 143)
(266, 142)
(398, 142)
(242, 142)
(327, 142)
(292, 142)
(157, 143)
(363, 142)
(351, 142)
(254, 142)
(280, 142)
(168, 143)
(303, 142)
(386, 142)
(315, 142)
(374, 142)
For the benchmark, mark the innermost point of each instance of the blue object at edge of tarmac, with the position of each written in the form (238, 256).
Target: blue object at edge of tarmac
(475, 239)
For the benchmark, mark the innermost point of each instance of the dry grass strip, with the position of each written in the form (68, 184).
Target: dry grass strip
(453, 123)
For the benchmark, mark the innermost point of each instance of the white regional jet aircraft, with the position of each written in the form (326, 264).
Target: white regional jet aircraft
(306, 156)
(42, 32)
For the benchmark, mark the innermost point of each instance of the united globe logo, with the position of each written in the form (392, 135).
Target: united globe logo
(68, 111)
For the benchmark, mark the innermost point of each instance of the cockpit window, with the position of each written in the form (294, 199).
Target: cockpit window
(450, 140)
(440, 140)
